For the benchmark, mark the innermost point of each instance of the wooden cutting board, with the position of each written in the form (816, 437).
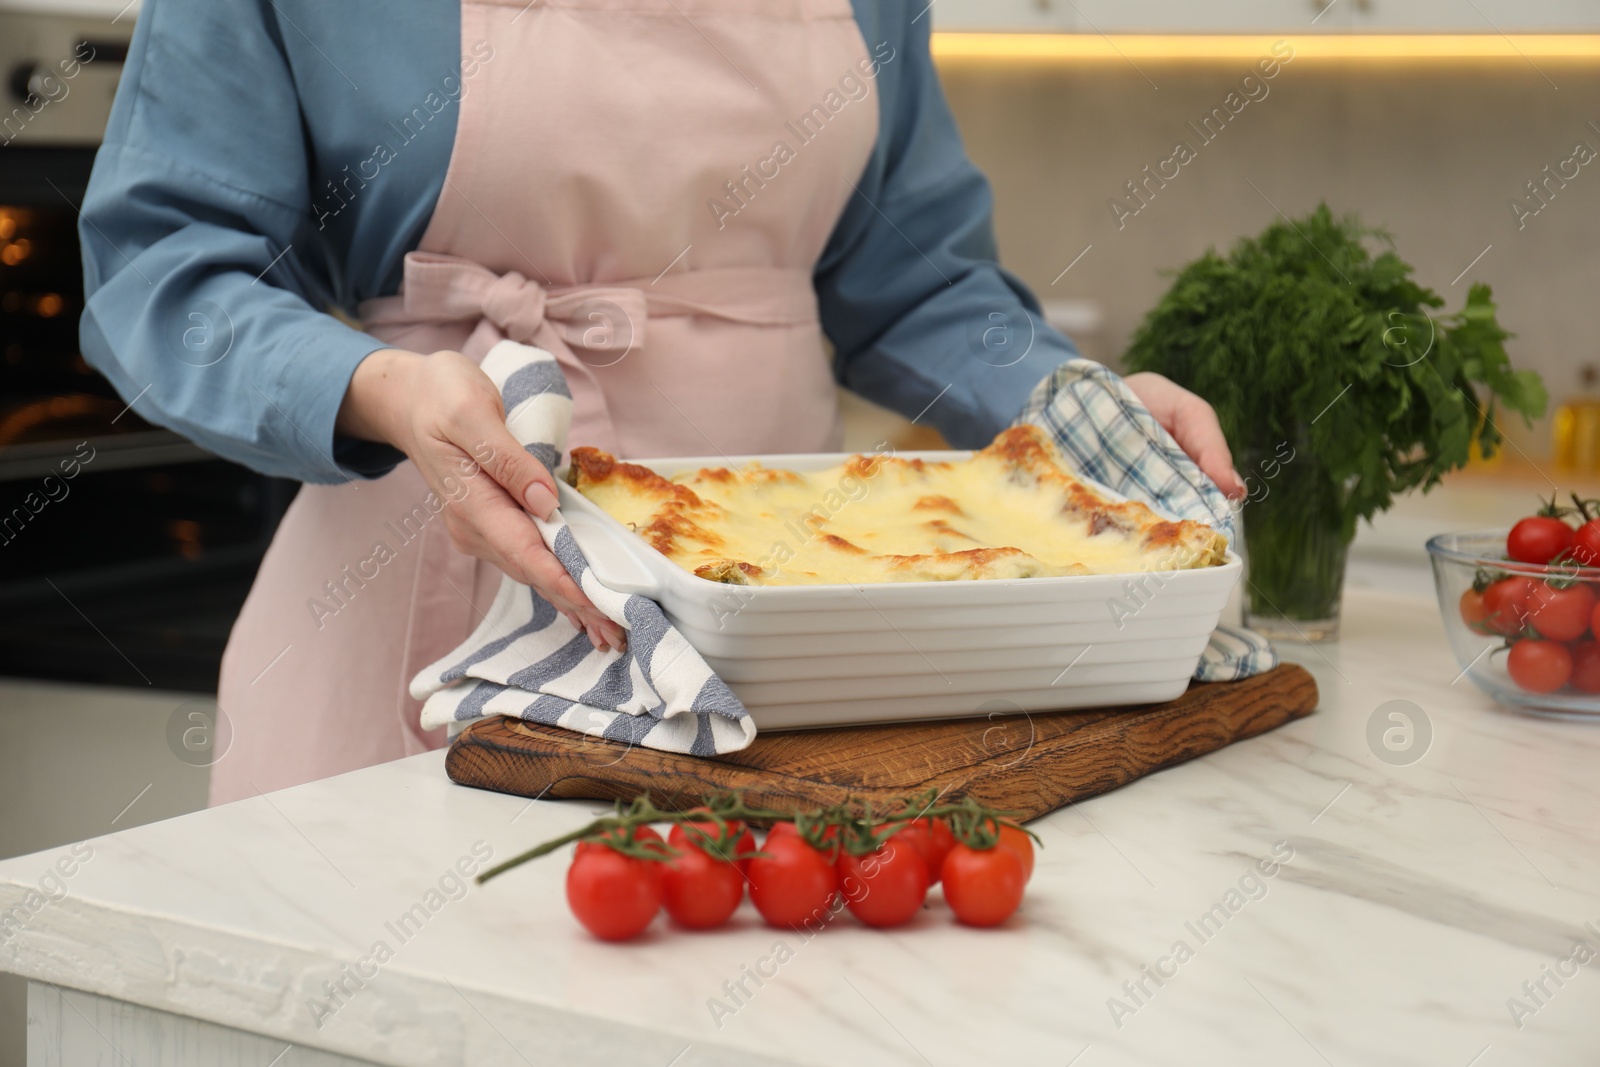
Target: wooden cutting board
(1026, 763)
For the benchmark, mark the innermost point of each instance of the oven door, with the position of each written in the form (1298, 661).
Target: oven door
(125, 550)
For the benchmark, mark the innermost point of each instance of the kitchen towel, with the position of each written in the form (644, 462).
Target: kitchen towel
(1113, 439)
(527, 661)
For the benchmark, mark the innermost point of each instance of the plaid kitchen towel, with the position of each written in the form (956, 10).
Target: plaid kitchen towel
(1113, 439)
(525, 660)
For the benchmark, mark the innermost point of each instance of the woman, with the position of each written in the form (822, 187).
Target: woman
(679, 198)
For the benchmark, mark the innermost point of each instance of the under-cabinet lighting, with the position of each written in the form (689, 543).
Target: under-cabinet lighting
(958, 45)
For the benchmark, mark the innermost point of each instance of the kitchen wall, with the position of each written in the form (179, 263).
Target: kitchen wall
(1431, 149)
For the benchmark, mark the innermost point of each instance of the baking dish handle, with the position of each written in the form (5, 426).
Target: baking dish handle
(614, 561)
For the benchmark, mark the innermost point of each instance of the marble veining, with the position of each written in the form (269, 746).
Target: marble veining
(1421, 905)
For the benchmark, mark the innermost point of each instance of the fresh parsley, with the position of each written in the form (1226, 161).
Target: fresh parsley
(1304, 335)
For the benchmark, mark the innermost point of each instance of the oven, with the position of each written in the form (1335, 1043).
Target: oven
(125, 550)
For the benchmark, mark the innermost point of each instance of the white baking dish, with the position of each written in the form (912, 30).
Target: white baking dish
(830, 655)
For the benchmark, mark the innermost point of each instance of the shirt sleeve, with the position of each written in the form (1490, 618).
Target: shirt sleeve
(206, 282)
(922, 318)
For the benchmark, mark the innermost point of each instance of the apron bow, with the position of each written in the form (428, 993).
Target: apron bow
(605, 322)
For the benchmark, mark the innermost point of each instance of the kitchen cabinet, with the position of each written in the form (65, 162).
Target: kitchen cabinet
(1016, 15)
(1270, 16)
(1135, 16)
(1478, 16)
(1414, 895)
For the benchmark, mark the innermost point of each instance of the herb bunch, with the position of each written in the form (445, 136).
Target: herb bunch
(1303, 335)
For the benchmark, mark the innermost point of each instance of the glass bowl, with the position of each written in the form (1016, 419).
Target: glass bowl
(1458, 558)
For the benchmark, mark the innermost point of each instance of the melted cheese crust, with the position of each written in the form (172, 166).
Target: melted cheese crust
(1011, 511)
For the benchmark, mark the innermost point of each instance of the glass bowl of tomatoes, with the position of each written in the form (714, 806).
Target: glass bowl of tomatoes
(1527, 633)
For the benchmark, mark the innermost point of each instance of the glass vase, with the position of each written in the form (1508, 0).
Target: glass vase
(1295, 548)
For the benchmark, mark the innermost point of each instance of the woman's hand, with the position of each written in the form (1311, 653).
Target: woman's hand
(1193, 424)
(444, 413)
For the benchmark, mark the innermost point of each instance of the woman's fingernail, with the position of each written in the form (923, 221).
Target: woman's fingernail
(540, 500)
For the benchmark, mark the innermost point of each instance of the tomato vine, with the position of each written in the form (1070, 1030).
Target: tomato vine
(854, 826)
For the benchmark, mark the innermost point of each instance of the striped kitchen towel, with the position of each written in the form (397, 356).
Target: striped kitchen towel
(1113, 439)
(525, 660)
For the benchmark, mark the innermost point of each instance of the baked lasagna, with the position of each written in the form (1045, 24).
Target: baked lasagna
(1013, 510)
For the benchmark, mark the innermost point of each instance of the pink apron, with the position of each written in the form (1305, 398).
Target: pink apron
(642, 189)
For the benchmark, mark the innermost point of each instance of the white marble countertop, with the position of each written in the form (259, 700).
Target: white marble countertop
(1418, 900)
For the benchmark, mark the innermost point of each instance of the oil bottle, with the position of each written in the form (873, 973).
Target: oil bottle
(1576, 427)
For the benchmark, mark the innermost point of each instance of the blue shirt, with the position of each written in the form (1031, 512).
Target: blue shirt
(212, 289)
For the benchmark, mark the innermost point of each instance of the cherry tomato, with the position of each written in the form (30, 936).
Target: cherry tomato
(614, 896)
(640, 834)
(912, 834)
(791, 882)
(1507, 601)
(1539, 666)
(1560, 614)
(1018, 841)
(1586, 666)
(1474, 611)
(933, 841)
(1586, 543)
(983, 887)
(1538, 539)
(788, 829)
(940, 842)
(915, 836)
(697, 834)
(887, 886)
(699, 890)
